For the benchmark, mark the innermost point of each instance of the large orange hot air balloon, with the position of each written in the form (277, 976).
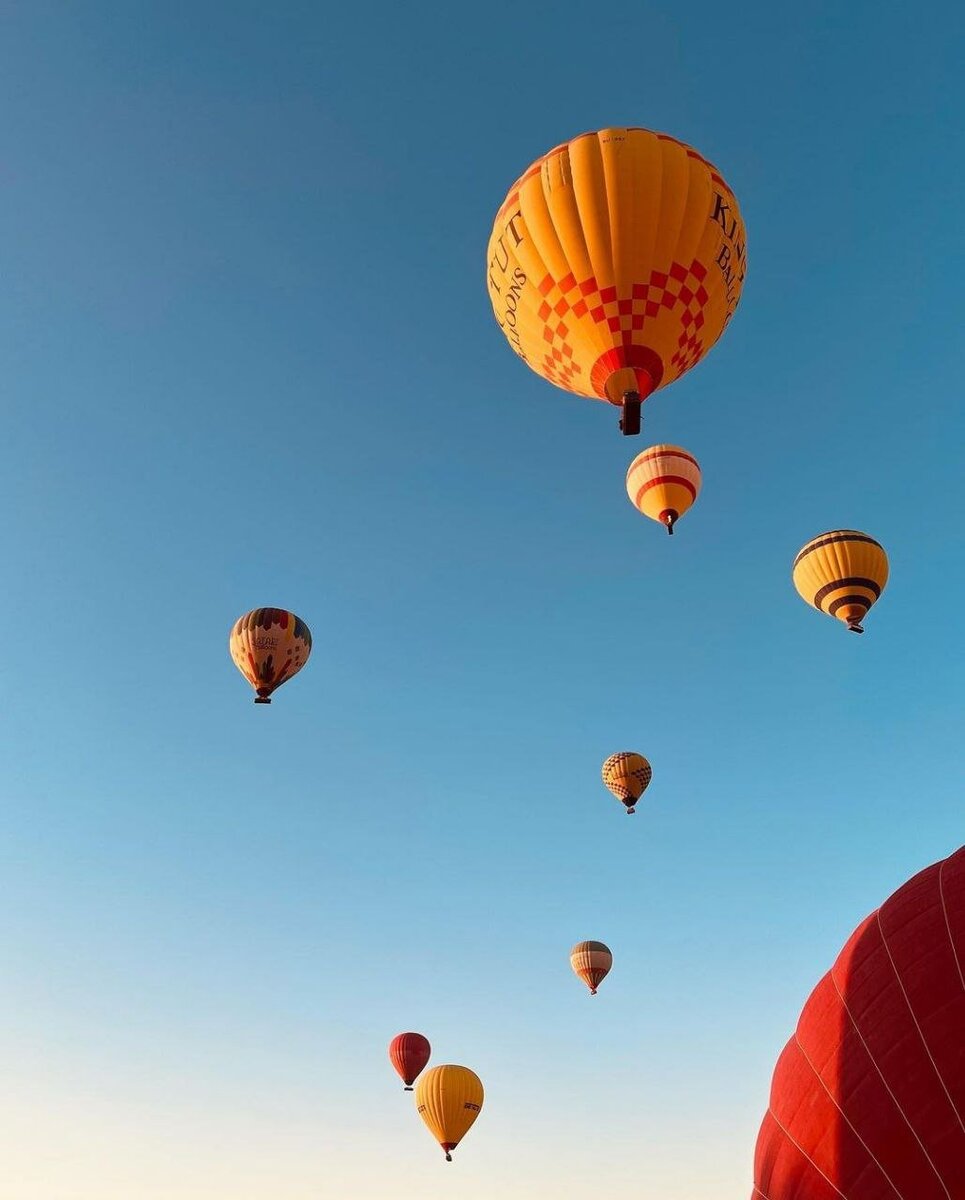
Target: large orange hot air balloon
(269, 646)
(842, 573)
(615, 263)
(591, 961)
(449, 1099)
(663, 482)
(868, 1097)
(627, 775)
(409, 1053)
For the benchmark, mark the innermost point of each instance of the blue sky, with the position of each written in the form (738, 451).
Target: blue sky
(248, 358)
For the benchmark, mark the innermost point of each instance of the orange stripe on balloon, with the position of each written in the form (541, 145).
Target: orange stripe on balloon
(667, 479)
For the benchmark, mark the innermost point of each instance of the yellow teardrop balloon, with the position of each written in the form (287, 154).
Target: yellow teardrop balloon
(615, 263)
(663, 482)
(449, 1098)
(842, 573)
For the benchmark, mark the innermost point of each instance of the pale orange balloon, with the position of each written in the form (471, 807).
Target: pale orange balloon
(663, 482)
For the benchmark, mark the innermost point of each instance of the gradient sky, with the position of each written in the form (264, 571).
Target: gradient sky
(247, 358)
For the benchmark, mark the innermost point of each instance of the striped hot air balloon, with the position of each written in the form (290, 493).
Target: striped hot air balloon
(449, 1099)
(868, 1096)
(663, 482)
(269, 646)
(627, 775)
(842, 573)
(615, 263)
(409, 1053)
(591, 962)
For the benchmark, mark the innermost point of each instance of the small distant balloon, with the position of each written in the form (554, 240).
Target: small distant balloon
(449, 1099)
(663, 482)
(591, 962)
(409, 1053)
(269, 646)
(627, 775)
(842, 573)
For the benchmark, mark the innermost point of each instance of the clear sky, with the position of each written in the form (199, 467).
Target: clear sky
(247, 358)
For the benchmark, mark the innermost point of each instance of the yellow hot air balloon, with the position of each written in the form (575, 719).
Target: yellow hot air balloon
(449, 1099)
(663, 482)
(628, 776)
(615, 263)
(841, 572)
(269, 646)
(591, 961)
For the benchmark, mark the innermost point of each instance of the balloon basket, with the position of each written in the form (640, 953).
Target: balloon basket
(263, 699)
(630, 421)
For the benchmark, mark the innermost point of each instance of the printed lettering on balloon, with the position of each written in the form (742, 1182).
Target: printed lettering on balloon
(508, 287)
(731, 258)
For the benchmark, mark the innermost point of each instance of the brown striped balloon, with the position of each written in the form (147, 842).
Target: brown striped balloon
(842, 573)
(591, 961)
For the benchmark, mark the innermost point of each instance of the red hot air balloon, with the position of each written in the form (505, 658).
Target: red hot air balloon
(868, 1097)
(409, 1053)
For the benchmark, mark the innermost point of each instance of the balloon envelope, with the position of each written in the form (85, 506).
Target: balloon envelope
(591, 961)
(615, 262)
(841, 573)
(868, 1096)
(409, 1053)
(449, 1098)
(269, 646)
(663, 482)
(627, 775)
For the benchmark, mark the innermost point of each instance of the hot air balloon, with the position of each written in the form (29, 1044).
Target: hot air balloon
(663, 482)
(269, 646)
(868, 1096)
(449, 1099)
(615, 263)
(591, 961)
(627, 775)
(409, 1053)
(842, 573)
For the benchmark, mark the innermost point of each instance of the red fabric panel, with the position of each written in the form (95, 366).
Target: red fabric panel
(782, 1170)
(409, 1053)
(868, 1098)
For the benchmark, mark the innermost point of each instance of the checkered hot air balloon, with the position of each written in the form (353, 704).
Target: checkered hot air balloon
(615, 263)
(627, 775)
(269, 646)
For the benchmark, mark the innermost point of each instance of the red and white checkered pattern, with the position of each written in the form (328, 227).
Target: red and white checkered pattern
(625, 315)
